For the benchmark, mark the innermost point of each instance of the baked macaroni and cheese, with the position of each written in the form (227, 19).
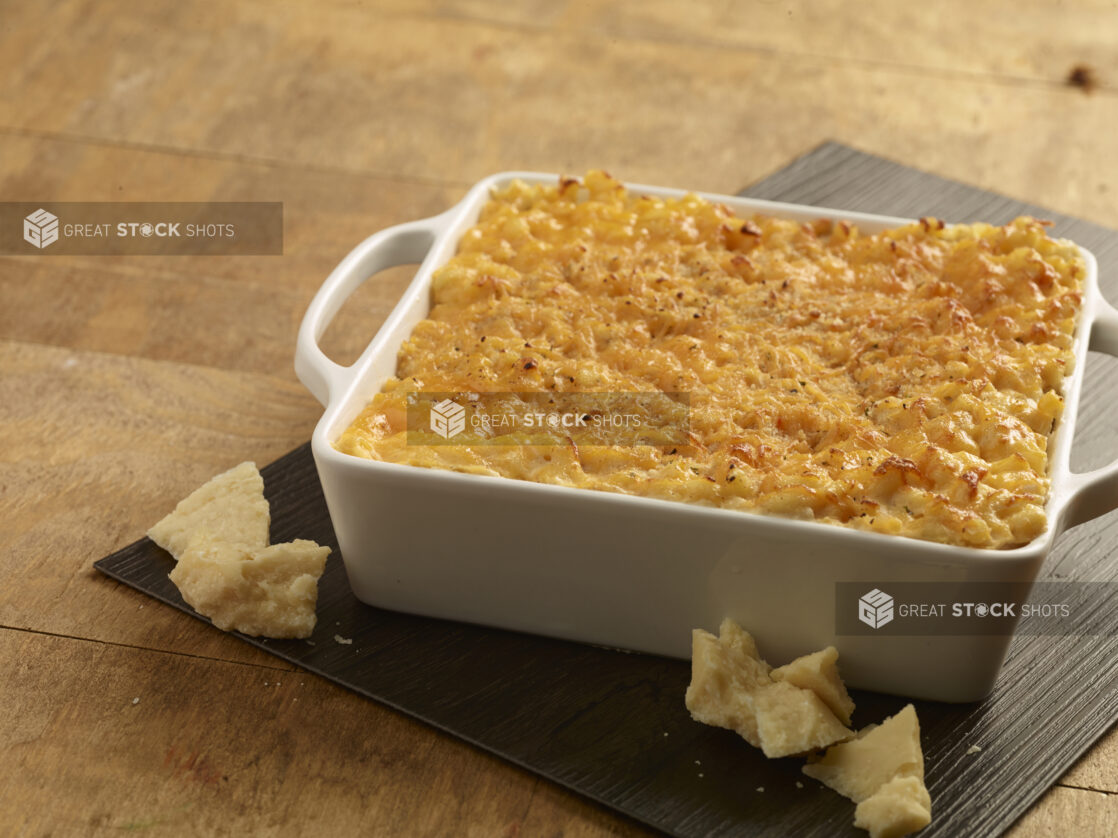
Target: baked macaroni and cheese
(906, 382)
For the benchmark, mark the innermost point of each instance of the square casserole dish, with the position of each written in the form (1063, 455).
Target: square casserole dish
(640, 573)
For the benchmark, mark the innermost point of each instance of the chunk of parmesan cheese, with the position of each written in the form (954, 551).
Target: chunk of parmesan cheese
(268, 592)
(731, 687)
(819, 673)
(723, 678)
(858, 768)
(792, 720)
(803, 707)
(899, 807)
(229, 509)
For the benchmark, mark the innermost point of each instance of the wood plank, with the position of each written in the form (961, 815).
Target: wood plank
(1063, 812)
(214, 748)
(89, 450)
(453, 100)
(179, 761)
(1024, 41)
(233, 312)
(1033, 41)
(1098, 769)
(93, 450)
(209, 321)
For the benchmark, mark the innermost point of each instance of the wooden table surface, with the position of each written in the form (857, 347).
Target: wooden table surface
(125, 382)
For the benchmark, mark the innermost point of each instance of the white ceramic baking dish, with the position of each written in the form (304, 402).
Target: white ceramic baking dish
(639, 573)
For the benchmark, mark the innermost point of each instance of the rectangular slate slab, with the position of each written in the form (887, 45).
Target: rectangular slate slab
(612, 726)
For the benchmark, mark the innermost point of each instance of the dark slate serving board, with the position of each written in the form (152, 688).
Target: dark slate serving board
(612, 726)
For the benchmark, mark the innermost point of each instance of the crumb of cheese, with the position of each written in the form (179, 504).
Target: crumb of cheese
(269, 592)
(230, 508)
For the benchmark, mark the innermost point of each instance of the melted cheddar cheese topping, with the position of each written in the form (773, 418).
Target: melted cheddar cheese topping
(906, 382)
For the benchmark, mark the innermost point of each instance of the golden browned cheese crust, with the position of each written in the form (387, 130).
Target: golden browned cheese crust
(905, 382)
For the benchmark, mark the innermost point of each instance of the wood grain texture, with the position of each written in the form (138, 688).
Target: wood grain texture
(78, 440)
(452, 99)
(217, 748)
(950, 39)
(195, 309)
(1066, 811)
(1098, 770)
(359, 114)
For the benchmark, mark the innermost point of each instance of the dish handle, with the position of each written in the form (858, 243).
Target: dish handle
(403, 244)
(1095, 493)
